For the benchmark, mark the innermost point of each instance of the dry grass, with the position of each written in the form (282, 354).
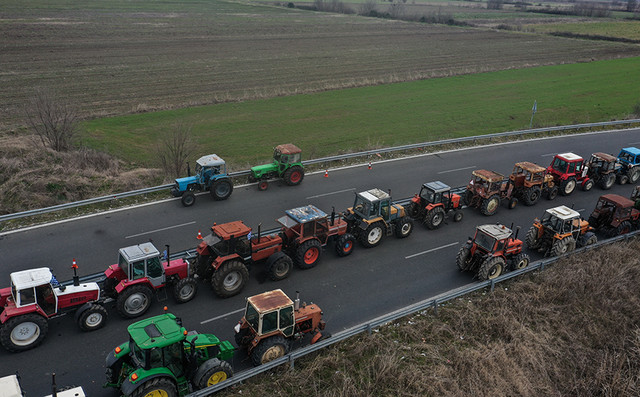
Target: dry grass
(571, 330)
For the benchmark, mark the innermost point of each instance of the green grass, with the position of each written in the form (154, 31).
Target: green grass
(330, 122)
(622, 29)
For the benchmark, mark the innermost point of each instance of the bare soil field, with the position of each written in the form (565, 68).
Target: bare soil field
(129, 56)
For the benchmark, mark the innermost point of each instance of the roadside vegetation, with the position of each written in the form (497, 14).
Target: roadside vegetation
(570, 330)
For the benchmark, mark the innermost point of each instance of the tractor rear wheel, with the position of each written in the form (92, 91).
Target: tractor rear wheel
(434, 218)
(623, 179)
(269, 349)
(373, 235)
(212, 372)
(567, 186)
(531, 239)
(95, 317)
(463, 259)
(607, 181)
(204, 269)
(623, 228)
(156, 387)
(23, 332)
(344, 245)
(221, 189)
(468, 197)
(531, 195)
(588, 185)
(188, 199)
(229, 279)
(294, 175)
(563, 246)
(185, 289)
(404, 227)
(520, 261)
(490, 205)
(134, 301)
(634, 174)
(414, 210)
(308, 254)
(279, 266)
(491, 268)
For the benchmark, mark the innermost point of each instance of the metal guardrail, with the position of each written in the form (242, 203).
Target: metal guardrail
(432, 302)
(115, 196)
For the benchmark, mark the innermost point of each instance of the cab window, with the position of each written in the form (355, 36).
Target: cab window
(269, 322)
(137, 270)
(154, 268)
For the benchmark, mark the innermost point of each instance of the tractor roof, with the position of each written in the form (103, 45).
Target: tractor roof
(563, 212)
(306, 214)
(288, 148)
(437, 186)
(268, 301)
(618, 200)
(499, 232)
(488, 176)
(531, 167)
(604, 156)
(231, 229)
(31, 278)
(138, 252)
(569, 156)
(374, 194)
(633, 150)
(158, 331)
(211, 160)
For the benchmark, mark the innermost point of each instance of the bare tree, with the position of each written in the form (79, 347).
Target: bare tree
(396, 9)
(631, 5)
(53, 119)
(175, 148)
(366, 7)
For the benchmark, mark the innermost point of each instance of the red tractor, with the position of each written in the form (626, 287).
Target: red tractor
(487, 190)
(224, 256)
(615, 215)
(434, 203)
(272, 322)
(493, 250)
(35, 296)
(139, 272)
(568, 170)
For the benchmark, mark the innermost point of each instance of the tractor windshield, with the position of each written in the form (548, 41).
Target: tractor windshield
(123, 263)
(252, 316)
(362, 206)
(553, 222)
(559, 164)
(139, 356)
(427, 195)
(485, 241)
(626, 157)
(219, 246)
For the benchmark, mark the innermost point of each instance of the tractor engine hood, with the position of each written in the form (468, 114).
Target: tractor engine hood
(261, 169)
(186, 181)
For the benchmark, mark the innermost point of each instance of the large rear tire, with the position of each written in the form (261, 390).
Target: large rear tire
(531, 195)
(308, 254)
(279, 266)
(160, 387)
(607, 181)
(229, 279)
(491, 268)
(434, 218)
(294, 175)
(269, 349)
(221, 189)
(134, 301)
(23, 332)
(373, 235)
(490, 205)
(185, 290)
(463, 259)
(561, 247)
(212, 372)
(531, 239)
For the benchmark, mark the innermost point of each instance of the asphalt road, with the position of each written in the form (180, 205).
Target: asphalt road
(350, 290)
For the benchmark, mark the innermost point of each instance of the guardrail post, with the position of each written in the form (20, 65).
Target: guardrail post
(435, 307)
(542, 265)
(493, 284)
(369, 329)
(291, 362)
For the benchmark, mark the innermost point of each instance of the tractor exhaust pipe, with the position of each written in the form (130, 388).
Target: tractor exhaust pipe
(259, 230)
(333, 215)
(54, 388)
(296, 303)
(167, 254)
(188, 169)
(517, 230)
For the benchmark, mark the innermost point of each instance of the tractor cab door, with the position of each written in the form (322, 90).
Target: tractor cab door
(47, 299)
(385, 209)
(174, 359)
(283, 163)
(287, 321)
(155, 272)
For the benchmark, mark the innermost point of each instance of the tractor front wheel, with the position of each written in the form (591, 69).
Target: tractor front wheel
(269, 349)
(552, 193)
(188, 199)
(156, 387)
(434, 218)
(95, 317)
(229, 279)
(308, 254)
(344, 245)
(404, 227)
(134, 301)
(463, 259)
(567, 186)
(490, 205)
(623, 179)
(263, 185)
(185, 289)
(221, 189)
(372, 236)
(607, 181)
(279, 266)
(212, 372)
(588, 185)
(521, 261)
(491, 268)
(563, 246)
(457, 215)
(23, 332)
(531, 195)
(294, 175)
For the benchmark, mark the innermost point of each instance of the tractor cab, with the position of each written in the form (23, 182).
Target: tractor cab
(436, 193)
(485, 183)
(228, 238)
(284, 156)
(566, 164)
(491, 238)
(142, 261)
(528, 174)
(303, 223)
(629, 156)
(208, 166)
(373, 203)
(270, 312)
(602, 163)
(614, 209)
(562, 220)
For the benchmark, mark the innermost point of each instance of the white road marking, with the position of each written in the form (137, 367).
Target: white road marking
(548, 154)
(458, 169)
(581, 209)
(222, 316)
(328, 194)
(159, 230)
(634, 143)
(431, 250)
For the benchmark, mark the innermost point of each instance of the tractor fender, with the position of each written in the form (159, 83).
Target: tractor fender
(12, 311)
(222, 259)
(432, 206)
(127, 283)
(128, 387)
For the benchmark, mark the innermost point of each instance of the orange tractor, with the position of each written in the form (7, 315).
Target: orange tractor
(560, 230)
(272, 322)
(493, 250)
(434, 203)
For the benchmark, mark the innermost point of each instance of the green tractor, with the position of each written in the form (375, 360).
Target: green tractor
(162, 359)
(286, 164)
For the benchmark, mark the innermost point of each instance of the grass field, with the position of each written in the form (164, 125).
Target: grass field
(620, 29)
(392, 114)
(125, 56)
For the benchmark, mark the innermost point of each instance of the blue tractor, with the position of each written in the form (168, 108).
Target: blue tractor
(629, 158)
(211, 175)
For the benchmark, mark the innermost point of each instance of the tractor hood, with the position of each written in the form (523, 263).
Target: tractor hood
(264, 168)
(186, 181)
